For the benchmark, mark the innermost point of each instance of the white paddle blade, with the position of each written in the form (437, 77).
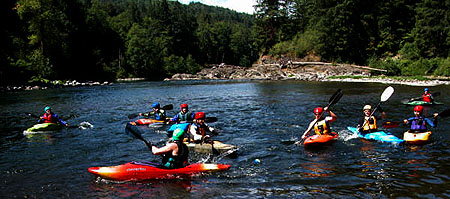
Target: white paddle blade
(387, 93)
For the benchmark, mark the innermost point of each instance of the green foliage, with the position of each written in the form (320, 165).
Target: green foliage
(410, 51)
(347, 76)
(175, 64)
(106, 39)
(389, 64)
(443, 68)
(147, 46)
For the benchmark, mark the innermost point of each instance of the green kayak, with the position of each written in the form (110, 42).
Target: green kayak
(423, 103)
(43, 128)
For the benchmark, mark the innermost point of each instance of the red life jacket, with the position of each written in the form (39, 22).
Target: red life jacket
(427, 97)
(48, 118)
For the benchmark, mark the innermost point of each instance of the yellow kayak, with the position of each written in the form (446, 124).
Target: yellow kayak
(208, 148)
(417, 138)
(43, 128)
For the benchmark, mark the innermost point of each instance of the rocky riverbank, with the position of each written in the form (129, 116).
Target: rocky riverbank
(53, 84)
(304, 71)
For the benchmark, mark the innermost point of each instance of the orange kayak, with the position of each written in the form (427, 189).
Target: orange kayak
(320, 140)
(147, 121)
(138, 171)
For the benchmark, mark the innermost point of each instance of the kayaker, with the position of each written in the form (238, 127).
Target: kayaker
(50, 117)
(419, 123)
(175, 153)
(183, 115)
(159, 113)
(426, 97)
(199, 130)
(321, 123)
(368, 124)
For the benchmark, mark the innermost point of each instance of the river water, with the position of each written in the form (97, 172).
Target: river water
(257, 116)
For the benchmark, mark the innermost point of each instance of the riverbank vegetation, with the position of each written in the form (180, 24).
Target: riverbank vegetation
(109, 39)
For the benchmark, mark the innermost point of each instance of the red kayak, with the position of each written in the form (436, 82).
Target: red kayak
(138, 171)
(320, 140)
(148, 121)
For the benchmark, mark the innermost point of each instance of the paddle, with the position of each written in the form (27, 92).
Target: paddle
(66, 118)
(214, 150)
(333, 100)
(421, 98)
(207, 120)
(393, 124)
(166, 107)
(32, 115)
(136, 133)
(387, 93)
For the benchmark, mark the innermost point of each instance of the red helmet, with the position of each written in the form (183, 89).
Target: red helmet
(418, 108)
(184, 106)
(200, 115)
(318, 110)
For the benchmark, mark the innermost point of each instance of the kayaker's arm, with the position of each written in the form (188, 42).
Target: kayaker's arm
(165, 149)
(432, 123)
(147, 114)
(333, 116)
(309, 128)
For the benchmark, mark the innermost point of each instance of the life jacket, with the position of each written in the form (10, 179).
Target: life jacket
(322, 128)
(49, 118)
(185, 117)
(418, 124)
(201, 130)
(427, 97)
(160, 115)
(370, 124)
(181, 160)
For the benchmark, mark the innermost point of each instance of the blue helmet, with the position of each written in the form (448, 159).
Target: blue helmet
(47, 108)
(156, 105)
(426, 89)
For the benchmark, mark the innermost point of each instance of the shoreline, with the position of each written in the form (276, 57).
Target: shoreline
(385, 80)
(187, 77)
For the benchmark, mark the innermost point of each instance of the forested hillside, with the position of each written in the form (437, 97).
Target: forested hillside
(406, 37)
(108, 39)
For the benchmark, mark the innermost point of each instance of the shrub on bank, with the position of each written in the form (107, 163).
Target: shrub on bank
(406, 67)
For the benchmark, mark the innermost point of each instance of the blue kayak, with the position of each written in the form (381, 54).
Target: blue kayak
(381, 136)
(183, 126)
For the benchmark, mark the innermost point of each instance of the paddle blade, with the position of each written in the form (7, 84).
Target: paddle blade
(133, 115)
(210, 119)
(445, 113)
(167, 107)
(335, 96)
(134, 131)
(388, 125)
(31, 115)
(387, 93)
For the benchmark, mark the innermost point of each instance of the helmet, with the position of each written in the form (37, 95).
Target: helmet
(200, 115)
(178, 135)
(184, 106)
(47, 108)
(426, 89)
(318, 110)
(418, 108)
(367, 107)
(156, 105)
